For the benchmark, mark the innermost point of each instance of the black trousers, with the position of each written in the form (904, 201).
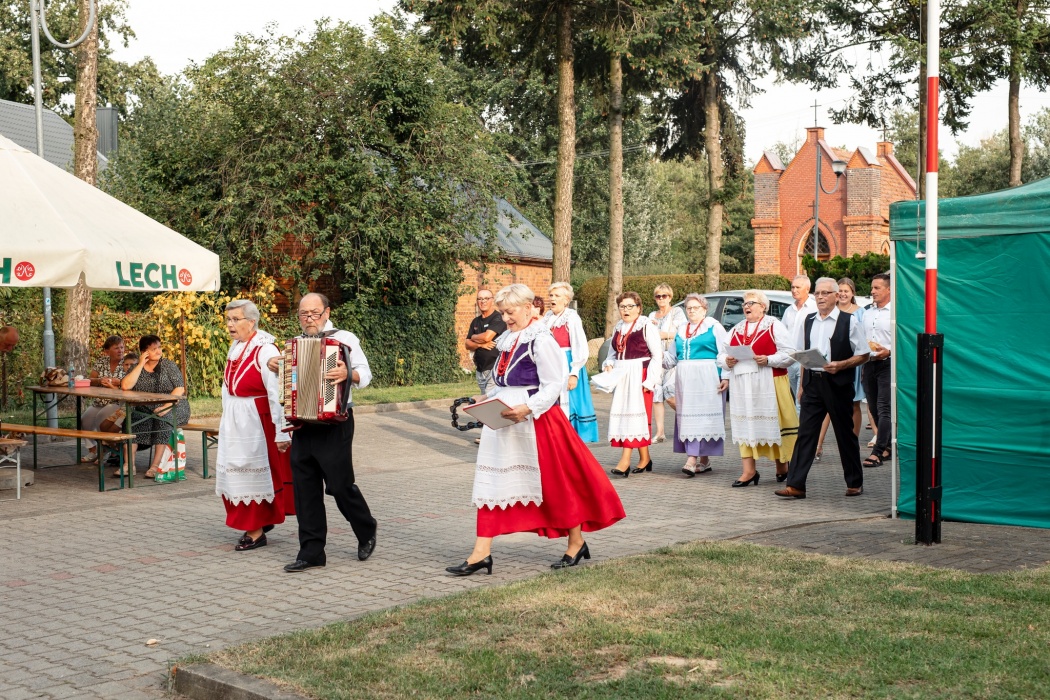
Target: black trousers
(322, 461)
(822, 397)
(876, 380)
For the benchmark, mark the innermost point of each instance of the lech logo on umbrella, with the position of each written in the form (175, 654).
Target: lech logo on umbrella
(152, 276)
(24, 270)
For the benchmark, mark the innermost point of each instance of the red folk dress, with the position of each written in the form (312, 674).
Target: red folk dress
(251, 500)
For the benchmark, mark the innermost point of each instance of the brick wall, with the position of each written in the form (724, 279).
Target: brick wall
(493, 276)
(855, 219)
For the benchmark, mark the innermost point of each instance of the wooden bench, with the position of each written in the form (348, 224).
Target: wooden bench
(209, 439)
(101, 438)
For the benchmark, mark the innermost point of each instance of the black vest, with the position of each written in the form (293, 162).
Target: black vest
(841, 348)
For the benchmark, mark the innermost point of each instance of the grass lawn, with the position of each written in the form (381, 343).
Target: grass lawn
(700, 621)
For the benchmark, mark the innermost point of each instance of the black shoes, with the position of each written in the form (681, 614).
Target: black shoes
(300, 565)
(753, 480)
(267, 528)
(647, 467)
(247, 543)
(782, 477)
(616, 472)
(466, 569)
(365, 549)
(566, 560)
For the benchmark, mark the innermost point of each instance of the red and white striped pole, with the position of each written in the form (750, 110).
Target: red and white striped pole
(933, 80)
(931, 343)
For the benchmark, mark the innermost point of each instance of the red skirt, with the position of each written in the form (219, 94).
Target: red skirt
(576, 490)
(253, 516)
(647, 396)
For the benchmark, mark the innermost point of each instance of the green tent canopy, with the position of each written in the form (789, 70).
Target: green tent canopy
(993, 295)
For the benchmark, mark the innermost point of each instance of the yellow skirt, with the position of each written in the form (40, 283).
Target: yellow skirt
(788, 427)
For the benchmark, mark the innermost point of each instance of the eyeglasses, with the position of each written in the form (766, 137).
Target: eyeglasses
(481, 299)
(309, 315)
(235, 320)
(751, 303)
(823, 293)
(625, 307)
(694, 308)
(661, 296)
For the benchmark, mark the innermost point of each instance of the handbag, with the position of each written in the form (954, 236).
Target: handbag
(55, 376)
(172, 465)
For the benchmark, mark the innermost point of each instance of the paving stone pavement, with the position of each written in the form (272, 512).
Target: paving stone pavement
(86, 578)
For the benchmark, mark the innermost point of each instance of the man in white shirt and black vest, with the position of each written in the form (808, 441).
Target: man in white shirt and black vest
(878, 331)
(828, 391)
(322, 457)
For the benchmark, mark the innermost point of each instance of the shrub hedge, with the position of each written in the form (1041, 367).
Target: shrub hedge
(591, 295)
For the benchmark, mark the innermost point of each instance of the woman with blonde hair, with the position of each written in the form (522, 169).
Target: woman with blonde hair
(567, 328)
(761, 411)
(534, 475)
(635, 343)
(668, 320)
(700, 423)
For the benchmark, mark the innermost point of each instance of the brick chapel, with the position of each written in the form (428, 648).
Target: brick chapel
(854, 219)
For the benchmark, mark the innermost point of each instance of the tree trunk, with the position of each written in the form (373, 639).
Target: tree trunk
(920, 181)
(615, 191)
(76, 329)
(1016, 144)
(566, 147)
(715, 179)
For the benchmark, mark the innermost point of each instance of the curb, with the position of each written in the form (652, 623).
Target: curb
(403, 406)
(210, 682)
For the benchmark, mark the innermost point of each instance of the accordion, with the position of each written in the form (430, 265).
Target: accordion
(306, 395)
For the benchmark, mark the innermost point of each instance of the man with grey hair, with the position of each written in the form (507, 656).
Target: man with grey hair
(322, 453)
(794, 315)
(828, 390)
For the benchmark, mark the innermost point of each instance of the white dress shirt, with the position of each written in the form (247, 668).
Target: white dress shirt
(794, 316)
(822, 330)
(878, 325)
(358, 361)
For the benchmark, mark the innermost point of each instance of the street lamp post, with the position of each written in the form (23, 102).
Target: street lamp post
(38, 20)
(839, 167)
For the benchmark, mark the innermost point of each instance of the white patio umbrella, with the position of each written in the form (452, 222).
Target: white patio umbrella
(54, 226)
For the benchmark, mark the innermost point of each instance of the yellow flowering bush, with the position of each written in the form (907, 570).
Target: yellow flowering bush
(197, 319)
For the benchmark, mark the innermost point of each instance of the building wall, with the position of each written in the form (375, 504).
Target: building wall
(854, 219)
(537, 275)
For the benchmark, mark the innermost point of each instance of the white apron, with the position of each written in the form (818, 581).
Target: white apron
(753, 409)
(627, 417)
(699, 409)
(508, 466)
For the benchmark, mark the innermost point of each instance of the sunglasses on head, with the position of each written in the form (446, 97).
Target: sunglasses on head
(661, 296)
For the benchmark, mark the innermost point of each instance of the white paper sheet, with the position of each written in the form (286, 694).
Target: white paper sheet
(488, 412)
(810, 359)
(740, 352)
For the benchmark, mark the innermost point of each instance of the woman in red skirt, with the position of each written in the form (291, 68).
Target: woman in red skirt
(535, 475)
(637, 355)
(253, 471)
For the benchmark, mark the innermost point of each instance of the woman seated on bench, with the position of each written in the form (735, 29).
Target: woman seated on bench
(107, 372)
(157, 375)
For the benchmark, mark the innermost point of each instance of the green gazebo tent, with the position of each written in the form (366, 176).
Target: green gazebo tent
(993, 301)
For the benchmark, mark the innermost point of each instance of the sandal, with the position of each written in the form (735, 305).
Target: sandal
(873, 460)
(89, 459)
(151, 473)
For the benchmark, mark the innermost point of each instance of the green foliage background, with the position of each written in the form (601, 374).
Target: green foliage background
(591, 295)
(859, 268)
(337, 162)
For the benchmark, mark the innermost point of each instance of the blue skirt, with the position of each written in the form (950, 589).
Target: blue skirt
(581, 407)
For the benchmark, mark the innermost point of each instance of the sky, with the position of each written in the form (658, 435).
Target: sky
(176, 33)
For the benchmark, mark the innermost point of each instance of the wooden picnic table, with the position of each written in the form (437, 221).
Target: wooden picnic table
(130, 399)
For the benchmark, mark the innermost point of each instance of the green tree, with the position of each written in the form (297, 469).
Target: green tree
(725, 46)
(337, 161)
(117, 81)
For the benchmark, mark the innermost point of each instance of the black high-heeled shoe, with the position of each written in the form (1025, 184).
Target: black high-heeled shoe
(648, 467)
(466, 569)
(566, 560)
(753, 480)
(616, 472)
(782, 477)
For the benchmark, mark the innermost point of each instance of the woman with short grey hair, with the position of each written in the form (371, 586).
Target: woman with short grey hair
(252, 475)
(700, 424)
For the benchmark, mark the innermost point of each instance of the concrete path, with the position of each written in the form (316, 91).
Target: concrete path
(86, 579)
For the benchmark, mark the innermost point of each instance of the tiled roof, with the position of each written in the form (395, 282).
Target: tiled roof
(18, 123)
